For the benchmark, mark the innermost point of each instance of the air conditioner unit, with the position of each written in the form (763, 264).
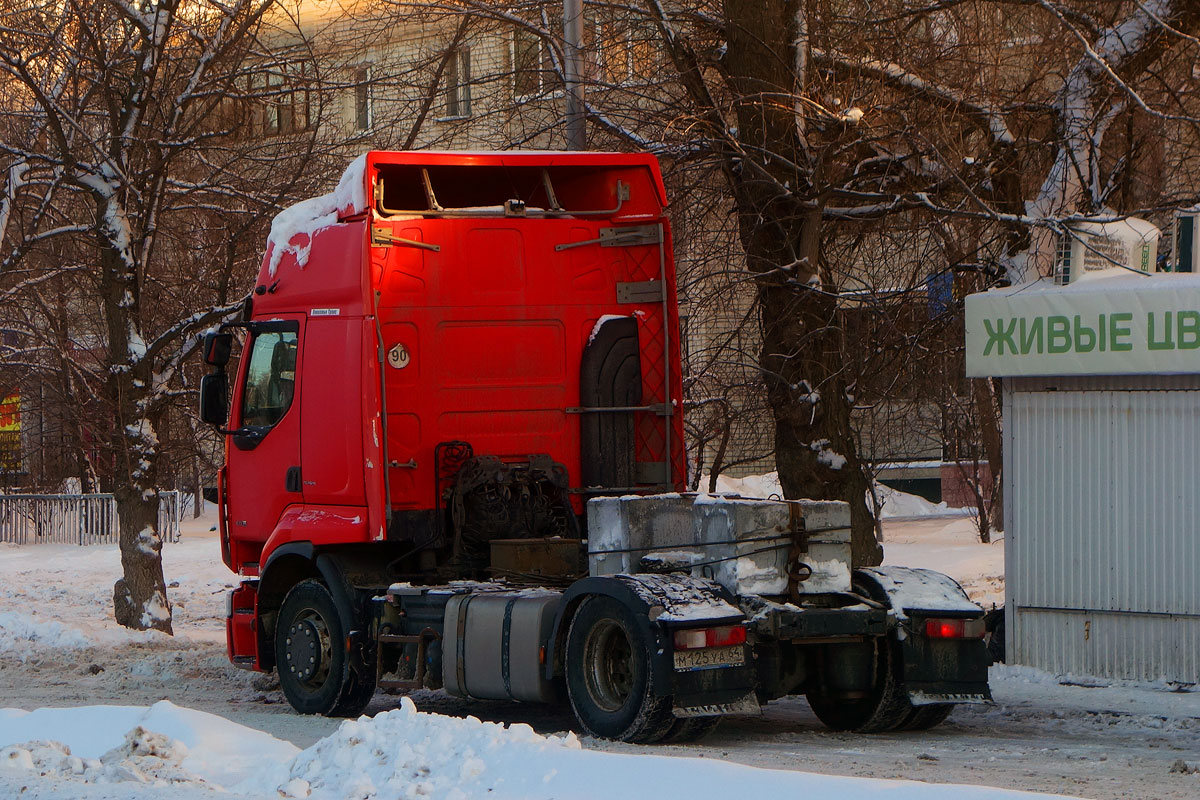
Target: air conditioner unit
(1089, 248)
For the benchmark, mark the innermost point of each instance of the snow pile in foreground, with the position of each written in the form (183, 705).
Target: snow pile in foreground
(406, 753)
(110, 744)
(397, 754)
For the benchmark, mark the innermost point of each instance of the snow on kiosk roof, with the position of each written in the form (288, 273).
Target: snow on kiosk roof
(1119, 323)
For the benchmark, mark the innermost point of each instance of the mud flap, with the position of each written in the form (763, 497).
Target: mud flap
(747, 705)
(944, 670)
(934, 671)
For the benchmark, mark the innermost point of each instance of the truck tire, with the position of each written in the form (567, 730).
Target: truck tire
(922, 718)
(994, 623)
(886, 706)
(691, 729)
(311, 655)
(609, 680)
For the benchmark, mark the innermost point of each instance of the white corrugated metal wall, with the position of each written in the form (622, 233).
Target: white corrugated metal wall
(1102, 507)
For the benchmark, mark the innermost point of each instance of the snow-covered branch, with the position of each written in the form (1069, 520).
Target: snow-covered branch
(195, 322)
(17, 174)
(987, 117)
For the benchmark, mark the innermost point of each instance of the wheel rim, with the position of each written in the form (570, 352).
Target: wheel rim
(608, 659)
(309, 649)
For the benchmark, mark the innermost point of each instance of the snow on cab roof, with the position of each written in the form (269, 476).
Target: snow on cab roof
(293, 228)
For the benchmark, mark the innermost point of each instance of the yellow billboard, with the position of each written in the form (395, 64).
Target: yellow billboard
(10, 413)
(10, 433)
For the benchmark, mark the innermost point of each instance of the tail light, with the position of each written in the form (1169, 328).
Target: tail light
(710, 637)
(954, 628)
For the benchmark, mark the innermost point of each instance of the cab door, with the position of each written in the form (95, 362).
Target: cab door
(263, 449)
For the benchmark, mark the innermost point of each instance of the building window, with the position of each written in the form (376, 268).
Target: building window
(610, 49)
(458, 83)
(283, 99)
(364, 109)
(1062, 258)
(273, 99)
(531, 64)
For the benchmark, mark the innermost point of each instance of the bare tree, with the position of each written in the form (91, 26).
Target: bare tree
(120, 108)
(146, 148)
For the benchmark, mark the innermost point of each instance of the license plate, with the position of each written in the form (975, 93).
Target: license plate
(710, 658)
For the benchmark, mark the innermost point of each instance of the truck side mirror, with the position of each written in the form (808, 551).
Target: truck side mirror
(214, 398)
(217, 347)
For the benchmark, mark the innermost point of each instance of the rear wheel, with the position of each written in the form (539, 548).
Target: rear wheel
(885, 706)
(609, 681)
(312, 658)
(994, 623)
(691, 729)
(922, 718)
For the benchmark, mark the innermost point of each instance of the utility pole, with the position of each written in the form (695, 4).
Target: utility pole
(572, 45)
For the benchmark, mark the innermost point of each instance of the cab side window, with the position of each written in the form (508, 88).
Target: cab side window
(270, 378)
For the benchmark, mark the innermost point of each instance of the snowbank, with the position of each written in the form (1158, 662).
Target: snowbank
(900, 504)
(397, 754)
(895, 503)
(951, 546)
(193, 746)
(21, 635)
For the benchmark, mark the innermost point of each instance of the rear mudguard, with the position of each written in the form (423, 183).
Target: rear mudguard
(661, 604)
(934, 670)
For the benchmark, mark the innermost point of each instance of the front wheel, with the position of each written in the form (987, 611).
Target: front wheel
(312, 657)
(609, 681)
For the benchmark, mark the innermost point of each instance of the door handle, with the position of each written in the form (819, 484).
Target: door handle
(292, 481)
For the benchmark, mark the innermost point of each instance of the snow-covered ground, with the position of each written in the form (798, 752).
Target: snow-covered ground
(228, 733)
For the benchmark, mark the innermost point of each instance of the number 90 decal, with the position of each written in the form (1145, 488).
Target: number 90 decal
(398, 356)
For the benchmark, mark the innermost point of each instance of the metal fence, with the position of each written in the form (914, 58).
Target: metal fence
(75, 518)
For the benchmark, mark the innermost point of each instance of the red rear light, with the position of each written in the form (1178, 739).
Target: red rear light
(698, 638)
(954, 628)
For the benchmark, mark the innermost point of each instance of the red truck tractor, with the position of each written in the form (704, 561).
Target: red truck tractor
(455, 460)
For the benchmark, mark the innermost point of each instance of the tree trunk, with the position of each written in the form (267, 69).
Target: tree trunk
(140, 597)
(779, 222)
(987, 407)
(815, 449)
